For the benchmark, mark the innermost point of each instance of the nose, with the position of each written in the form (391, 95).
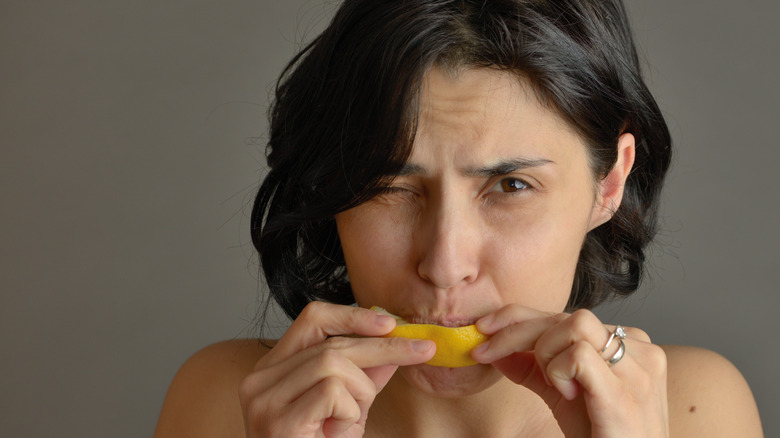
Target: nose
(449, 244)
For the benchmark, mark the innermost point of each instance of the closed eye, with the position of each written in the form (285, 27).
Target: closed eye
(397, 190)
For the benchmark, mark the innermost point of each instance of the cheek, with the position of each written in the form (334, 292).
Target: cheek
(534, 256)
(374, 249)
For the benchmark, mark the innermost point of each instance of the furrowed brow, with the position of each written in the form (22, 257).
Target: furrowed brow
(505, 167)
(412, 169)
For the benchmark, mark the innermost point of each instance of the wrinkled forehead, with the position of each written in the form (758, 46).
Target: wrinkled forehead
(483, 97)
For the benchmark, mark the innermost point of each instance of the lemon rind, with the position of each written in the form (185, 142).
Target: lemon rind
(461, 351)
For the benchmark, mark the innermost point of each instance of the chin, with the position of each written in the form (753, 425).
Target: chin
(450, 382)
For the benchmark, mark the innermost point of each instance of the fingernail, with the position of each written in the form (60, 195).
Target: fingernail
(384, 320)
(421, 346)
(568, 389)
(484, 324)
(481, 348)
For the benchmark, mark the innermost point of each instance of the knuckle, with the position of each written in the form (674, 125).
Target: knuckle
(557, 318)
(245, 390)
(558, 370)
(512, 309)
(656, 361)
(582, 319)
(331, 387)
(349, 411)
(582, 313)
(335, 343)
(254, 402)
(329, 359)
(368, 393)
(581, 324)
(313, 310)
(395, 343)
(257, 412)
(255, 409)
(508, 333)
(542, 352)
(580, 350)
(639, 334)
(394, 347)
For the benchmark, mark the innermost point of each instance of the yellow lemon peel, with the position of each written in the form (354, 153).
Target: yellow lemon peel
(453, 344)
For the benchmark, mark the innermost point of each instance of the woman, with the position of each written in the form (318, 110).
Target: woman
(495, 163)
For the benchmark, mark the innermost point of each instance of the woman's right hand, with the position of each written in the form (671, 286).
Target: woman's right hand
(316, 382)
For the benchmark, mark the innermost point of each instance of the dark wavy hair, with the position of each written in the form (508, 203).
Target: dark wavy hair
(346, 110)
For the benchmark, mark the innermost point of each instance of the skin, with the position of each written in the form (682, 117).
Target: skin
(484, 226)
(468, 236)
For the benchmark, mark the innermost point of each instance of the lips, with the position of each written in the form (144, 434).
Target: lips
(454, 343)
(452, 321)
(444, 322)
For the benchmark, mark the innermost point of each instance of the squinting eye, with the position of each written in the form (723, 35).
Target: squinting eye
(395, 191)
(511, 185)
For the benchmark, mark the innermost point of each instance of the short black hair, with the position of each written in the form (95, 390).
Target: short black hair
(346, 111)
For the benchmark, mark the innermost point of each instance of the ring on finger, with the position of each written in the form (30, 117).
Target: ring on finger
(619, 332)
(619, 353)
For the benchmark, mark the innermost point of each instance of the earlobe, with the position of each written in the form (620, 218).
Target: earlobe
(610, 189)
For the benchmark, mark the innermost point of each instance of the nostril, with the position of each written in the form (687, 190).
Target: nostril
(447, 272)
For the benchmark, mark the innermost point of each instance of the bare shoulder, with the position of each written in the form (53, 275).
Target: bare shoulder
(202, 400)
(708, 396)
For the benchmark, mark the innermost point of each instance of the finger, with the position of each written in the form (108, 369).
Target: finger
(507, 316)
(521, 368)
(365, 353)
(271, 396)
(633, 333)
(346, 358)
(339, 356)
(328, 406)
(581, 326)
(373, 352)
(327, 365)
(516, 336)
(380, 375)
(581, 365)
(627, 384)
(319, 320)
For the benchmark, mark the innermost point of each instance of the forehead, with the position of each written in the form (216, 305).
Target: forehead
(486, 111)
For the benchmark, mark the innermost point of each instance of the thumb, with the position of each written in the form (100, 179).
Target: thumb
(380, 375)
(522, 369)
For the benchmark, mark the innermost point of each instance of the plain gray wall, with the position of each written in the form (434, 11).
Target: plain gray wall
(128, 167)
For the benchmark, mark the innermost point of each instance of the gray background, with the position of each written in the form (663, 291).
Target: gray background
(128, 166)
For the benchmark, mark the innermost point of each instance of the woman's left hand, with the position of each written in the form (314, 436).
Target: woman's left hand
(559, 357)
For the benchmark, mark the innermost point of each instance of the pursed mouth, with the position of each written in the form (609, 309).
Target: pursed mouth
(441, 322)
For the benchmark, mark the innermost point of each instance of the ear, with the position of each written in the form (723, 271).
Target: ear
(610, 189)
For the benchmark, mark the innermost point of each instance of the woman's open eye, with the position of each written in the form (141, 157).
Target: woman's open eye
(511, 185)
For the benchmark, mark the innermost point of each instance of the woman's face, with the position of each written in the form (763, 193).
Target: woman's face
(491, 209)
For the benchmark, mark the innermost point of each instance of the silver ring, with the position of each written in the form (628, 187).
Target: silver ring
(619, 332)
(618, 354)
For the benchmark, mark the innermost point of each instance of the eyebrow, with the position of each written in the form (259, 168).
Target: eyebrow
(412, 169)
(503, 167)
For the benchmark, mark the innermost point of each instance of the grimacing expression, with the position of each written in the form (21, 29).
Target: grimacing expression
(491, 208)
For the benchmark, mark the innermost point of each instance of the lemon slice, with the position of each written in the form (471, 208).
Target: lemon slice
(453, 344)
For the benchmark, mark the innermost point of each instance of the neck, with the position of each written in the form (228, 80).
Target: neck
(501, 409)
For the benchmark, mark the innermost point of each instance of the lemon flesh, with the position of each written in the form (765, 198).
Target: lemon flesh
(453, 344)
